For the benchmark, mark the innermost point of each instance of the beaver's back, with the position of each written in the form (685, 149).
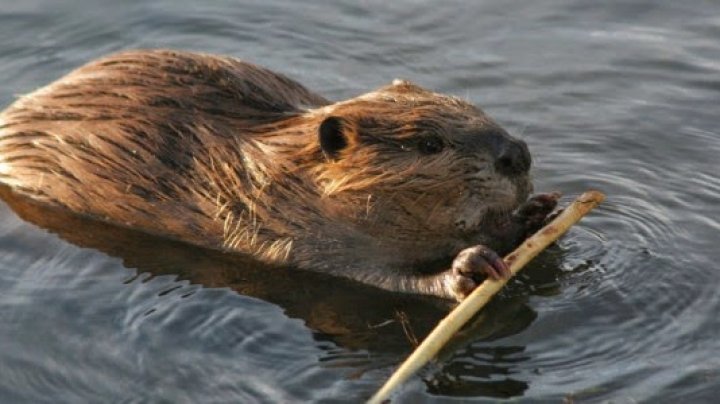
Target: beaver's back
(130, 126)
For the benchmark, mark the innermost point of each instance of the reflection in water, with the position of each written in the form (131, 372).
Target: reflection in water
(352, 315)
(481, 372)
(470, 368)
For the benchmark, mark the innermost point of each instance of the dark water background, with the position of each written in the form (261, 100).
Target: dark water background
(623, 96)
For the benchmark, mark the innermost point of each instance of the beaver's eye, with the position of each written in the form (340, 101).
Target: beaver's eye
(431, 145)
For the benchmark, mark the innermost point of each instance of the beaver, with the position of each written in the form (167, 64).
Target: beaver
(401, 188)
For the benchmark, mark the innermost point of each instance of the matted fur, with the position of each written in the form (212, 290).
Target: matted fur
(225, 154)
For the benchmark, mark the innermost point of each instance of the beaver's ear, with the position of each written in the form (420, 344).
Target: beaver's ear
(333, 135)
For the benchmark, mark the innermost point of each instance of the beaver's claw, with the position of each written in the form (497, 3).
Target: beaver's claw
(471, 266)
(533, 214)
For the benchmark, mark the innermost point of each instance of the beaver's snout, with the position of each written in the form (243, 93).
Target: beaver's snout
(514, 158)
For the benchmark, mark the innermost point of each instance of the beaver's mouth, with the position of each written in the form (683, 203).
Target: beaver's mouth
(496, 217)
(524, 189)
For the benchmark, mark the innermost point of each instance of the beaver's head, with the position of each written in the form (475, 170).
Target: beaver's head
(418, 164)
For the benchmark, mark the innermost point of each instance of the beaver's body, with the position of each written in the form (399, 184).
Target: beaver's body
(228, 155)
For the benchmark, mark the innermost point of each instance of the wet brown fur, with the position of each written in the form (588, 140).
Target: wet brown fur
(225, 154)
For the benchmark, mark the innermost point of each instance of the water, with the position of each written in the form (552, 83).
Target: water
(619, 96)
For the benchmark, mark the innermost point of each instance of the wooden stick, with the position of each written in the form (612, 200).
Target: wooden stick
(483, 293)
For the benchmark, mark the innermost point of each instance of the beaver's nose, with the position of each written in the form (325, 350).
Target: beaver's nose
(514, 158)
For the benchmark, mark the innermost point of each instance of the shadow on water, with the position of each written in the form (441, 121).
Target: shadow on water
(351, 315)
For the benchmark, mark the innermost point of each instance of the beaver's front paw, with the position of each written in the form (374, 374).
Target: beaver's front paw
(471, 266)
(533, 214)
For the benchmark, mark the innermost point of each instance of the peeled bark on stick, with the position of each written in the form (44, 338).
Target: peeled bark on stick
(516, 260)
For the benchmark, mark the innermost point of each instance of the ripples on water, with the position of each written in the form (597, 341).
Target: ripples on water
(620, 96)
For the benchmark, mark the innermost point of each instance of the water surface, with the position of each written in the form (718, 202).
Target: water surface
(623, 96)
